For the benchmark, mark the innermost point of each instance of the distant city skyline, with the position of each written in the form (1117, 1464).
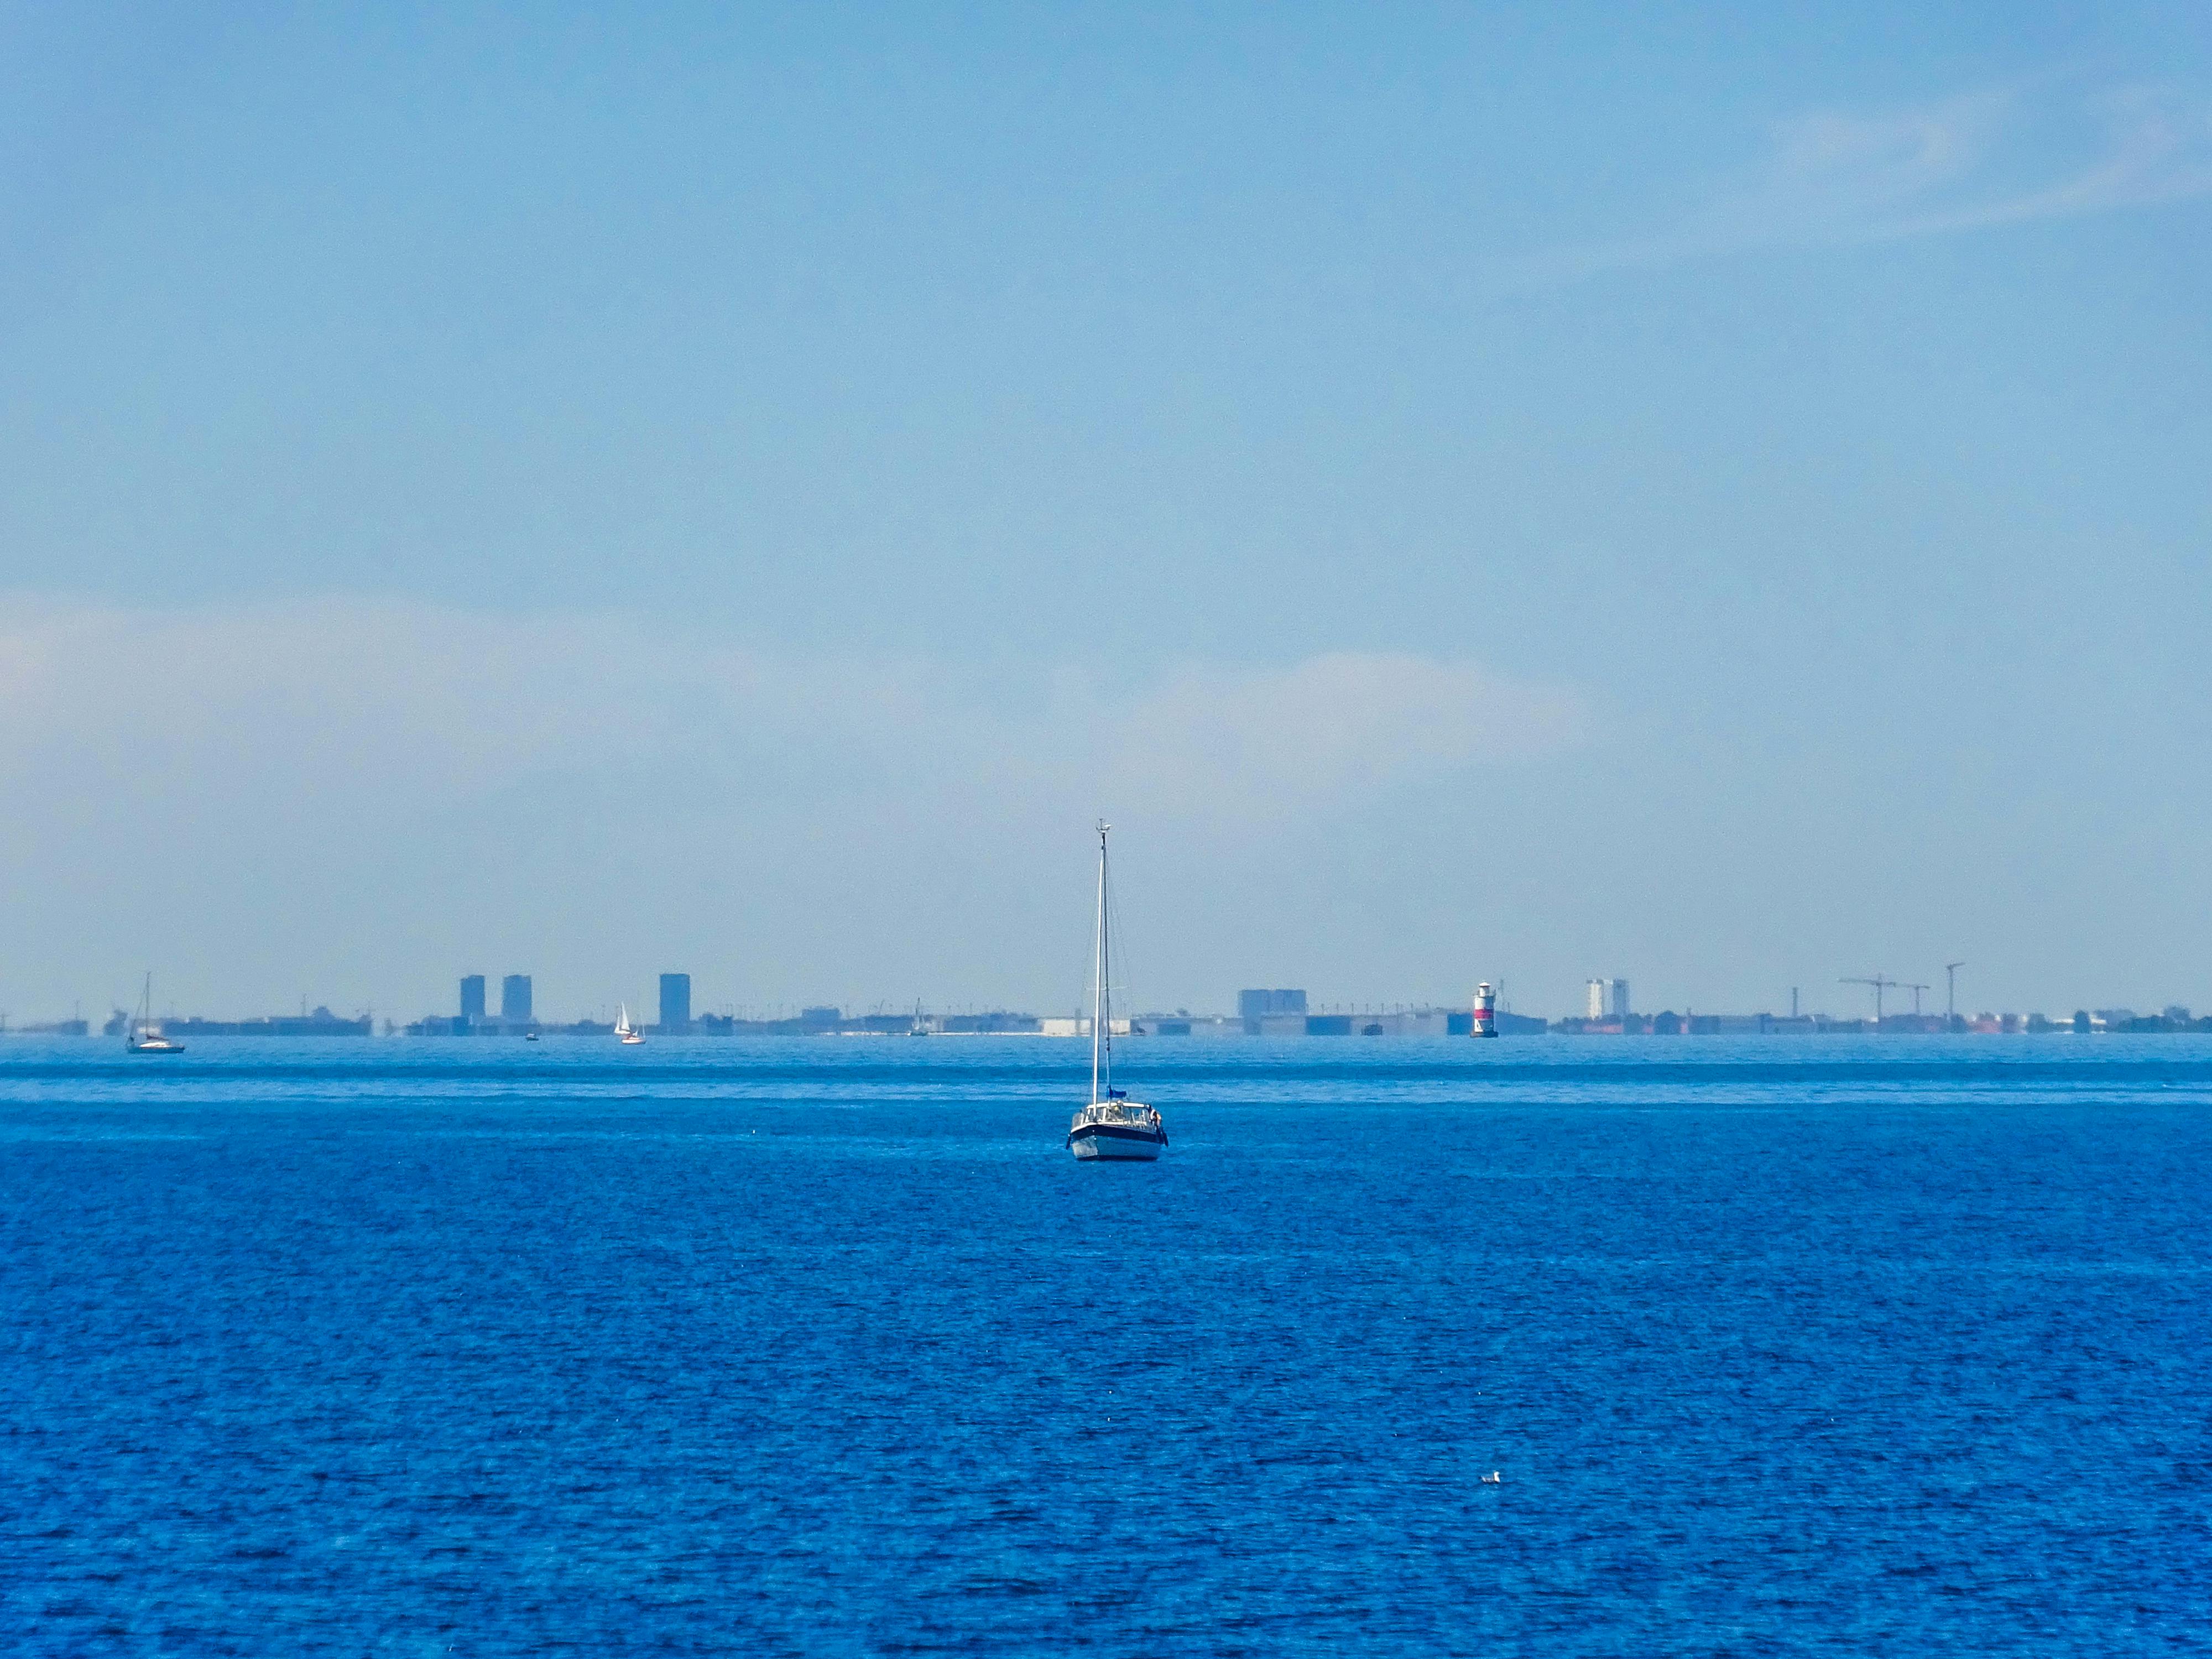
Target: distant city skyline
(1277, 1010)
(1388, 1021)
(1487, 492)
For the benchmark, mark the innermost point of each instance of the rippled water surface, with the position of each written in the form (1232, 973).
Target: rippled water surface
(817, 1347)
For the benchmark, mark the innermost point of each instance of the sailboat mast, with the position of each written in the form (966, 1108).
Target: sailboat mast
(1105, 963)
(1098, 967)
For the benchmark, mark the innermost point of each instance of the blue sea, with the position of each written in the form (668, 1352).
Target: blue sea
(821, 1347)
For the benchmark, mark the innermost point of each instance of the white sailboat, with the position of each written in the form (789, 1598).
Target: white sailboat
(141, 1036)
(623, 1032)
(1112, 1126)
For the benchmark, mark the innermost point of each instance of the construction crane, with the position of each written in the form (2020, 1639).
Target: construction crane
(1878, 982)
(1907, 985)
(1951, 992)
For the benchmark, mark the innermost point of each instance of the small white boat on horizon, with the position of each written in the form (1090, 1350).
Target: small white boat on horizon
(1112, 1126)
(141, 1036)
(623, 1031)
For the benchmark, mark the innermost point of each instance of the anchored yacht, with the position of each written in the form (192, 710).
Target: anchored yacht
(1112, 1125)
(141, 1035)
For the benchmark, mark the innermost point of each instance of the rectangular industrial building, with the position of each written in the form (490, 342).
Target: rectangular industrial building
(675, 1004)
(1609, 999)
(1259, 1005)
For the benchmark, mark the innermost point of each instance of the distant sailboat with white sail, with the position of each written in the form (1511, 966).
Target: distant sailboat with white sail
(623, 1031)
(1112, 1126)
(141, 1036)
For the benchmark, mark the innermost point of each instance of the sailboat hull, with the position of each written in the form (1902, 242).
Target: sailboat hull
(1117, 1132)
(1092, 1142)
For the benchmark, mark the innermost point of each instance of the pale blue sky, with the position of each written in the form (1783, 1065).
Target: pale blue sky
(1715, 498)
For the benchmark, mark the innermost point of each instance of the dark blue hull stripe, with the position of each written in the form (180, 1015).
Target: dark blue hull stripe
(1115, 1132)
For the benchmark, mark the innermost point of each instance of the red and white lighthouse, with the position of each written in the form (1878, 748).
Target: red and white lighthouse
(1485, 1010)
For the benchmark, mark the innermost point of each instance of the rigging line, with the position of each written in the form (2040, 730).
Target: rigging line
(1120, 936)
(1087, 989)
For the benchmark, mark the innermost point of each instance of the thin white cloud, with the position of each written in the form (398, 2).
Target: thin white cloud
(350, 698)
(356, 791)
(1998, 157)
(1232, 742)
